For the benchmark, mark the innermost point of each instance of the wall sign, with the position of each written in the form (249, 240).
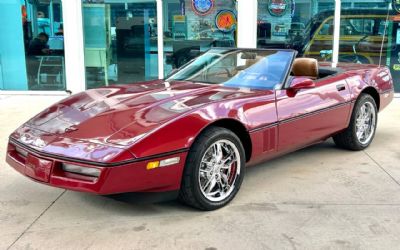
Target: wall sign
(202, 7)
(277, 7)
(396, 5)
(225, 21)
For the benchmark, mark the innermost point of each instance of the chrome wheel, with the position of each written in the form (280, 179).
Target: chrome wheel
(365, 123)
(219, 170)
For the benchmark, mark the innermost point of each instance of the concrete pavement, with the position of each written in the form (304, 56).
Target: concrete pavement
(321, 197)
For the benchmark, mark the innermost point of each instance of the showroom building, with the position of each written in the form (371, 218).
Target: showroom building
(53, 46)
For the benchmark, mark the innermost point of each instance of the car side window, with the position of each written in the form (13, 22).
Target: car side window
(362, 27)
(354, 26)
(327, 28)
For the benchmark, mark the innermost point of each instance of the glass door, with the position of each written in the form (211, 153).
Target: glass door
(369, 34)
(32, 51)
(120, 39)
(191, 27)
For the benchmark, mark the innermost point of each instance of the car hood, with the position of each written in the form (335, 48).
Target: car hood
(122, 115)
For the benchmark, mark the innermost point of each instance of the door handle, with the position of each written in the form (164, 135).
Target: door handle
(341, 87)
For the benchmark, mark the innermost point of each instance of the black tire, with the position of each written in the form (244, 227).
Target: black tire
(348, 139)
(190, 192)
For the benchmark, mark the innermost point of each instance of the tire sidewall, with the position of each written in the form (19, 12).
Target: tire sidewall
(204, 143)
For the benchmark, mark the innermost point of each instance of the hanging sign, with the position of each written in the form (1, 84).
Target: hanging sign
(225, 21)
(277, 7)
(202, 7)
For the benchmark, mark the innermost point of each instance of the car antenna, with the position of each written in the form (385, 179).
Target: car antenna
(384, 34)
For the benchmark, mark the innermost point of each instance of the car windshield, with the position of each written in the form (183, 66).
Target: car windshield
(241, 68)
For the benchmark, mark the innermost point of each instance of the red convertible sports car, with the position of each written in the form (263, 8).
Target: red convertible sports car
(195, 131)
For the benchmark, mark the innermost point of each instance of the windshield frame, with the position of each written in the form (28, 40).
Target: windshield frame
(281, 85)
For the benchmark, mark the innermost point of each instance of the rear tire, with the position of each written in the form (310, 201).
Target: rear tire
(214, 170)
(361, 130)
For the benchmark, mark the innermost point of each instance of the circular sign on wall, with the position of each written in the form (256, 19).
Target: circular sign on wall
(225, 21)
(202, 7)
(277, 7)
(396, 5)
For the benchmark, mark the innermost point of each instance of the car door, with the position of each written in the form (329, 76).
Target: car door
(312, 114)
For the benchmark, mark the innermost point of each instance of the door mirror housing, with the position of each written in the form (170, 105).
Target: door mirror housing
(298, 84)
(302, 83)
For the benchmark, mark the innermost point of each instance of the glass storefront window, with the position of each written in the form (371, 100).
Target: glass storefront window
(191, 27)
(120, 41)
(32, 56)
(306, 26)
(368, 35)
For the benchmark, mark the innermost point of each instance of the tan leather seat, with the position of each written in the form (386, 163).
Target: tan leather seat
(305, 67)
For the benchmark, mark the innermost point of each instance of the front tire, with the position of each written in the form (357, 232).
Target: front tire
(214, 170)
(361, 130)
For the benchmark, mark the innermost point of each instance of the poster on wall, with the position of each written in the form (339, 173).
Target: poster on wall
(279, 31)
(225, 21)
(203, 7)
(278, 8)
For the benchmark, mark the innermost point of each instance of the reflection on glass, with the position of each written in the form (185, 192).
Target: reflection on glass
(255, 69)
(193, 27)
(44, 43)
(368, 35)
(32, 53)
(298, 25)
(120, 42)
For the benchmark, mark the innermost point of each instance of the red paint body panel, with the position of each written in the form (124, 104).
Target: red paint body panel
(119, 129)
(312, 114)
(125, 178)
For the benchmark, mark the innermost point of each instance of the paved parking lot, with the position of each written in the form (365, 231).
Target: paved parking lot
(318, 198)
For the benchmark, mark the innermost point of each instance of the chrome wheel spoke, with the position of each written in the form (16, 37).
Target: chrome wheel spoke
(224, 180)
(204, 173)
(207, 183)
(218, 152)
(365, 123)
(211, 185)
(216, 169)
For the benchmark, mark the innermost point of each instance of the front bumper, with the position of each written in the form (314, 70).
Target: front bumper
(129, 177)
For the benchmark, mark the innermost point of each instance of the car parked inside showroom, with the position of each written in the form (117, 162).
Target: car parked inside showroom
(195, 131)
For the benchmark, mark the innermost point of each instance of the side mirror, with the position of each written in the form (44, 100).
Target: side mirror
(298, 84)
(302, 83)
